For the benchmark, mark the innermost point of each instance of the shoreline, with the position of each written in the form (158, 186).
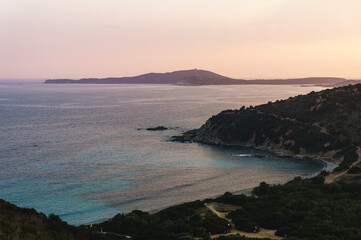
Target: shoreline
(327, 166)
(248, 191)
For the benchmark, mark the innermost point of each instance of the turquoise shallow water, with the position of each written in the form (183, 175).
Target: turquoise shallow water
(74, 150)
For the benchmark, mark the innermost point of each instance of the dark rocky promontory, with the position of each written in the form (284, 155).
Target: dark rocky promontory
(324, 125)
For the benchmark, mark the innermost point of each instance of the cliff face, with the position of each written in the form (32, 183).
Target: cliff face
(322, 125)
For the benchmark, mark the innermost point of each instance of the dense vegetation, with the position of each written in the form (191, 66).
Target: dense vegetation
(324, 124)
(301, 209)
(238, 237)
(27, 224)
(181, 222)
(337, 110)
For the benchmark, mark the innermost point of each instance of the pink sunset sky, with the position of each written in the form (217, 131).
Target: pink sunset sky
(237, 38)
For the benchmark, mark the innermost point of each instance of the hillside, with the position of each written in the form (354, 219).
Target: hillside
(323, 125)
(180, 222)
(300, 209)
(27, 224)
(184, 77)
(196, 77)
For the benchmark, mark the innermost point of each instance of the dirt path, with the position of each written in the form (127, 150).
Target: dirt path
(332, 177)
(323, 129)
(263, 233)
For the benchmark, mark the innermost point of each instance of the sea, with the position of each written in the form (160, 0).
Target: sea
(82, 151)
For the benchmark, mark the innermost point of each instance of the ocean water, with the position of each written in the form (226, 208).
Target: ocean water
(76, 151)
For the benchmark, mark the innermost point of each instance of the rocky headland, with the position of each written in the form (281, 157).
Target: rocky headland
(324, 125)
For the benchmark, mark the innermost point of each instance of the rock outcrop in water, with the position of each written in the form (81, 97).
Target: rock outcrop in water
(323, 125)
(159, 128)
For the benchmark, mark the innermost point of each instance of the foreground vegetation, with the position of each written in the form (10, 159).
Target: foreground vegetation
(22, 223)
(181, 222)
(300, 209)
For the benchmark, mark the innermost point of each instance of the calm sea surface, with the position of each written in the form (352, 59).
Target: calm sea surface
(74, 150)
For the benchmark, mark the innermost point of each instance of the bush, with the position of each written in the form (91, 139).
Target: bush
(354, 170)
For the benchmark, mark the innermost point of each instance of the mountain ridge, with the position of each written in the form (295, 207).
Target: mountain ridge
(197, 77)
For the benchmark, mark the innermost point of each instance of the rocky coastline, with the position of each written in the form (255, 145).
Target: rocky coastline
(318, 126)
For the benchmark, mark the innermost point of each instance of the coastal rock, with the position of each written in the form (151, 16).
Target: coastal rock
(159, 128)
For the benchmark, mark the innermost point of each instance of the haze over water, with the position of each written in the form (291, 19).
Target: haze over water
(76, 151)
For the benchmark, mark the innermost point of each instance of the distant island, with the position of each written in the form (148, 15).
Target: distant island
(198, 77)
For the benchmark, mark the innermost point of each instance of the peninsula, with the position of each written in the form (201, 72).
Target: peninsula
(324, 125)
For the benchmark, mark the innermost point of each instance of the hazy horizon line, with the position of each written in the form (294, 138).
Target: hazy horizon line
(34, 79)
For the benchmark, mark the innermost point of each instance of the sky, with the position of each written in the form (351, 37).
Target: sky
(245, 39)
